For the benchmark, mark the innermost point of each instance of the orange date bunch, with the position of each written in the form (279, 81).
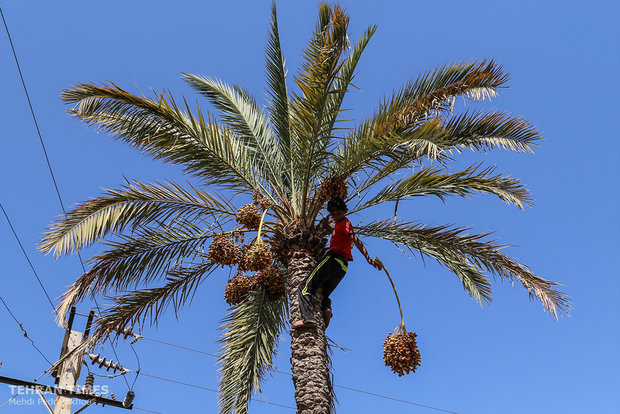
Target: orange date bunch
(238, 288)
(400, 351)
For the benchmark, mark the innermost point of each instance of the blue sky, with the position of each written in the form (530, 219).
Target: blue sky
(507, 357)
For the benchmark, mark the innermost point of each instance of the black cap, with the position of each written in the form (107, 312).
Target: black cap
(336, 203)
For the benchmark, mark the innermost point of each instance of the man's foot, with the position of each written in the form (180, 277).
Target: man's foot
(327, 316)
(301, 324)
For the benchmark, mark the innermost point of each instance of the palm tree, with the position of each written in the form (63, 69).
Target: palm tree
(161, 239)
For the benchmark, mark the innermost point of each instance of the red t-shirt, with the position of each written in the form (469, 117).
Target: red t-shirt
(341, 241)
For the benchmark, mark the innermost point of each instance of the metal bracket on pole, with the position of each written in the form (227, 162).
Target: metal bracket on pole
(65, 393)
(47, 405)
(85, 407)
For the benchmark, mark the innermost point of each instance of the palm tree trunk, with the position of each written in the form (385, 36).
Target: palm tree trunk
(309, 359)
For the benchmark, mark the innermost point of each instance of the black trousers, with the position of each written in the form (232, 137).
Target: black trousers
(326, 275)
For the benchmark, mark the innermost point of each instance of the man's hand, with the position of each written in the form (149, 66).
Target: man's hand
(324, 223)
(375, 263)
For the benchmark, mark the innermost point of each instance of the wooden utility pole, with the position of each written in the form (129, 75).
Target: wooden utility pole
(69, 370)
(68, 373)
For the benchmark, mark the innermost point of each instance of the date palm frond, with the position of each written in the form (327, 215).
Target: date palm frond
(316, 81)
(278, 107)
(135, 308)
(454, 247)
(435, 90)
(147, 255)
(161, 129)
(344, 77)
(486, 131)
(242, 114)
(434, 181)
(135, 204)
(251, 332)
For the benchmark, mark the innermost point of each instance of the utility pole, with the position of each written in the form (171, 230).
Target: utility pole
(69, 370)
(67, 373)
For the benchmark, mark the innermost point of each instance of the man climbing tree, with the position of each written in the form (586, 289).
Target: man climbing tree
(332, 267)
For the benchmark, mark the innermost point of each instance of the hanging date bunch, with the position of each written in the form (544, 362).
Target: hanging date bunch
(248, 216)
(258, 256)
(400, 350)
(261, 201)
(224, 249)
(238, 288)
(273, 280)
(332, 187)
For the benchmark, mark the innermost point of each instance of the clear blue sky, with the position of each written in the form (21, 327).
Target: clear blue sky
(508, 357)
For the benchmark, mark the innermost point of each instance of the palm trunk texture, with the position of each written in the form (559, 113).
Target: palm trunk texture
(309, 358)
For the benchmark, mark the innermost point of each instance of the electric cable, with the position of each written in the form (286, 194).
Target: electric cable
(289, 374)
(49, 165)
(21, 326)
(36, 124)
(9, 400)
(187, 384)
(138, 370)
(148, 411)
(97, 305)
(33, 271)
(26, 255)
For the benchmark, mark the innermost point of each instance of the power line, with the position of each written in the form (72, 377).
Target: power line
(187, 384)
(9, 400)
(33, 271)
(288, 374)
(395, 399)
(26, 256)
(148, 411)
(49, 165)
(97, 305)
(21, 326)
(36, 124)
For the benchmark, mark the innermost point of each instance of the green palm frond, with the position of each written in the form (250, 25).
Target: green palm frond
(434, 139)
(485, 131)
(458, 250)
(434, 181)
(241, 112)
(278, 106)
(363, 151)
(431, 241)
(134, 204)
(135, 308)
(161, 129)
(148, 254)
(345, 77)
(316, 80)
(420, 115)
(251, 333)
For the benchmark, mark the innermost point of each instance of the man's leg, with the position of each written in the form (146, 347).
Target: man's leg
(338, 269)
(308, 289)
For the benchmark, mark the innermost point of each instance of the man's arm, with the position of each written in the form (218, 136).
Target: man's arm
(325, 224)
(358, 243)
